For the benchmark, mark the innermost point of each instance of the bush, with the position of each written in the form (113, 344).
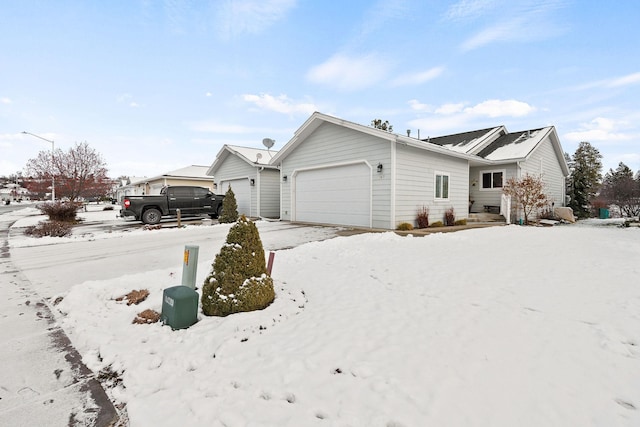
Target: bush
(449, 217)
(59, 211)
(238, 280)
(422, 218)
(49, 228)
(437, 224)
(404, 226)
(462, 221)
(229, 208)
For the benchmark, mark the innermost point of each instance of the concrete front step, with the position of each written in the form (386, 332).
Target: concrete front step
(485, 217)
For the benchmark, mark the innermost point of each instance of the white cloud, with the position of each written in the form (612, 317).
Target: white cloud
(5, 100)
(418, 78)
(458, 116)
(613, 82)
(601, 129)
(237, 17)
(514, 21)
(217, 127)
(280, 104)
(349, 73)
(418, 106)
(500, 108)
(625, 80)
(465, 9)
(450, 108)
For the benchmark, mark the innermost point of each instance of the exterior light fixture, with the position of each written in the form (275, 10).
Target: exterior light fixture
(284, 178)
(252, 182)
(379, 167)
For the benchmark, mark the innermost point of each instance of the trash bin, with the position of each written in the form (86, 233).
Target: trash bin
(179, 307)
(603, 213)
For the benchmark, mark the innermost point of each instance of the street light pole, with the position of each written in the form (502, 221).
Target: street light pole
(53, 179)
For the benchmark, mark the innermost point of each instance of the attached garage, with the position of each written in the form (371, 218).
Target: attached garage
(242, 191)
(334, 195)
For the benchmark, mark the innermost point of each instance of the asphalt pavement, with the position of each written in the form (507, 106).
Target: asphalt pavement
(43, 381)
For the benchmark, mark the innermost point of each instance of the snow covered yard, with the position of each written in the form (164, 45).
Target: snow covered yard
(502, 326)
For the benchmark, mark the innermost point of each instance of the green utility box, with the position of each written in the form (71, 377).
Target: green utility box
(604, 213)
(179, 307)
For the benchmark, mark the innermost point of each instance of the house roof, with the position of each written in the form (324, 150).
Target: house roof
(318, 119)
(465, 142)
(191, 172)
(257, 157)
(515, 145)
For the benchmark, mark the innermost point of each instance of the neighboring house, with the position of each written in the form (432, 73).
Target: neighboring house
(255, 183)
(143, 186)
(338, 172)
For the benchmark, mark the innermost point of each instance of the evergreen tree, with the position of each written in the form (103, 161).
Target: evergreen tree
(238, 280)
(586, 175)
(229, 208)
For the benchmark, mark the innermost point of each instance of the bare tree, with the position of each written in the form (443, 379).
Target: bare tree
(528, 194)
(620, 189)
(79, 172)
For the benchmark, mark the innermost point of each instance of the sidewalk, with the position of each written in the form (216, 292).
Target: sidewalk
(43, 381)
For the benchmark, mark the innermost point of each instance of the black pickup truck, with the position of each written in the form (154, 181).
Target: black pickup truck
(192, 201)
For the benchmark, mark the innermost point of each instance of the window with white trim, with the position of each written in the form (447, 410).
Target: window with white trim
(492, 179)
(442, 186)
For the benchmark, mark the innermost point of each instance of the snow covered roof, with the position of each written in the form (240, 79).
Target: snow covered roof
(253, 156)
(464, 142)
(516, 145)
(192, 171)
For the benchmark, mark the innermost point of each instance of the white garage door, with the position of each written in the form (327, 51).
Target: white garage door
(242, 191)
(334, 195)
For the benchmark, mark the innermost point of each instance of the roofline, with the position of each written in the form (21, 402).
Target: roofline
(317, 118)
(227, 149)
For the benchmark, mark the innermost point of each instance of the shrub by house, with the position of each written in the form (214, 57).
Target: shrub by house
(238, 280)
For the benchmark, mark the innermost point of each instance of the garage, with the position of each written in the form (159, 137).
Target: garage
(334, 195)
(242, 191)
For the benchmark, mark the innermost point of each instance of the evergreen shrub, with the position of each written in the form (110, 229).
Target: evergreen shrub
(462, 221)
(229, 208)
(238, 280)
(436, 224)
(404, 226)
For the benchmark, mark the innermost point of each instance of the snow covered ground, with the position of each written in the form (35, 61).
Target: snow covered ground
(502, 326)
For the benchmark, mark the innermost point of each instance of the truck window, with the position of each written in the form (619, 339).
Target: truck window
(180, 192)
(200, 192)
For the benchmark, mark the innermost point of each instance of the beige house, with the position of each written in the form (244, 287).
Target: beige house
(142, 186)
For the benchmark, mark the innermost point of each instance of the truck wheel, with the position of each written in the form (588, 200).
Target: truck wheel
(219, 211)
(151, 216)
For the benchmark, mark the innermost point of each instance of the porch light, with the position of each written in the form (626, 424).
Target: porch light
(379, 167)
(252, 182)
(284, 178)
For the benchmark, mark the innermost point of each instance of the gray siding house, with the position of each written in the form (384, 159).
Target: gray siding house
(255, 183)
(337, 172)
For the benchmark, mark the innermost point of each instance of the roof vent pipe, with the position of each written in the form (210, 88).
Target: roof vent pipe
(409, 132)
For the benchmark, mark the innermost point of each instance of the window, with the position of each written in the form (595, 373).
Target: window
(442, 185)
(492, 179)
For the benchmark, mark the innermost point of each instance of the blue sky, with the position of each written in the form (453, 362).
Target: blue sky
(158, 85)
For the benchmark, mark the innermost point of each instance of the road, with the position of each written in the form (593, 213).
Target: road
(54, 269)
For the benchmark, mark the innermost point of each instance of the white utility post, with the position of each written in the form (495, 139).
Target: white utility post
(53, 179)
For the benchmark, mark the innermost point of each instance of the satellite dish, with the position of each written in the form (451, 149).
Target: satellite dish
(268, 142)
(258, 157)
